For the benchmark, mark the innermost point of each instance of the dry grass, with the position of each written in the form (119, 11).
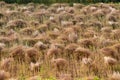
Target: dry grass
(59, 42)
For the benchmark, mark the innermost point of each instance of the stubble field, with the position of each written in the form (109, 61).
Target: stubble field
(60, 41)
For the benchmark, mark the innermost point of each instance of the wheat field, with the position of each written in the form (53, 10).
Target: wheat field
(59, 41)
